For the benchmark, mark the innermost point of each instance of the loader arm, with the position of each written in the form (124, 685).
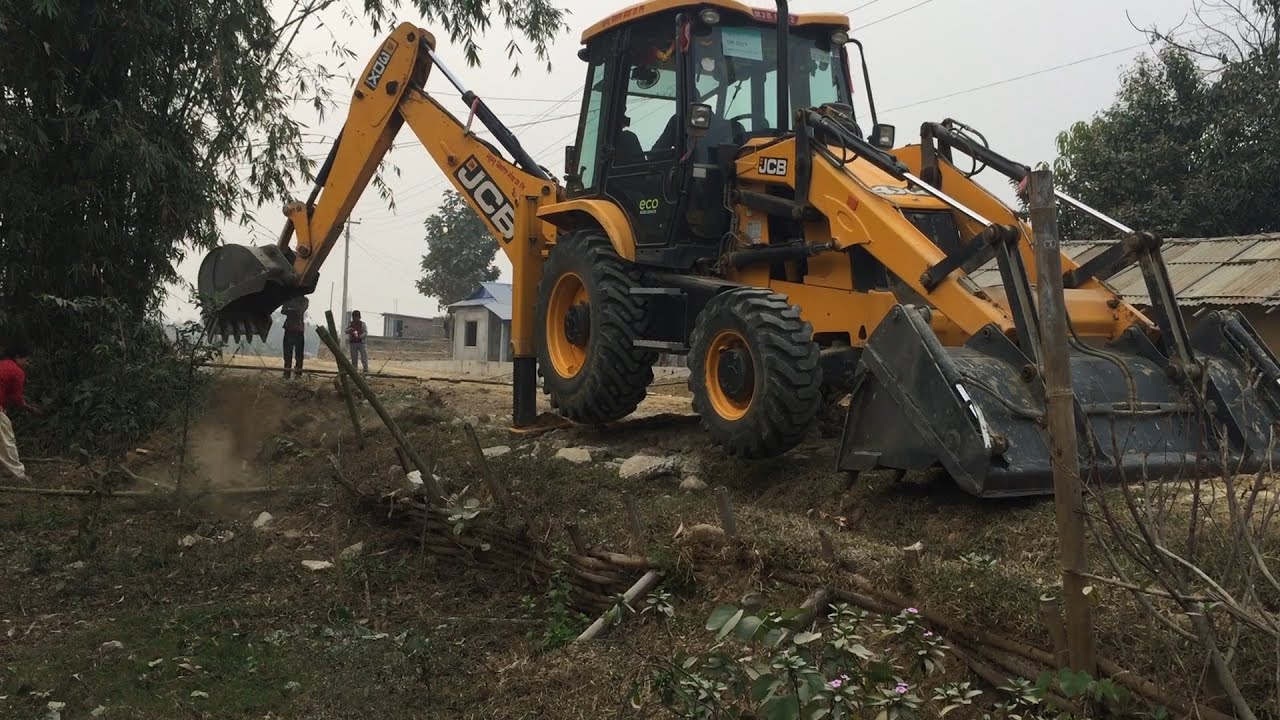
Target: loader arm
(247, 284)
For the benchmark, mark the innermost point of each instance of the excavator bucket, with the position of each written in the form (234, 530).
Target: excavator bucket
(241, 286)
(979, 410)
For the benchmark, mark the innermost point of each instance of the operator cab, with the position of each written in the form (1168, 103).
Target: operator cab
(671, 98)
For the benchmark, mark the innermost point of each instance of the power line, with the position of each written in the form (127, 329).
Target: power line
(894, 15)
(860, 7)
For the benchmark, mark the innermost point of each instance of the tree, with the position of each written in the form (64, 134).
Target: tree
(460, 252)
(1188, 148)
(130, 132)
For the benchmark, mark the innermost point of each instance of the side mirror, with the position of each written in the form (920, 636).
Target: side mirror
(568, 159)
(699, 119)
(882, 136)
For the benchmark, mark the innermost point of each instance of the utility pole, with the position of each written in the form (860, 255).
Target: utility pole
(1068, 491)
(346, 267)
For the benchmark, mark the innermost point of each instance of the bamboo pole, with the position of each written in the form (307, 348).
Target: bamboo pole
(427, 479)
(634, 525)
(726, 513)
(646, 583)
(1067, 491)
(346, 387)
(498, 492)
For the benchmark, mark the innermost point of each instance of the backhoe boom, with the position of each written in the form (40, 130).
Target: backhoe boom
(250, 283)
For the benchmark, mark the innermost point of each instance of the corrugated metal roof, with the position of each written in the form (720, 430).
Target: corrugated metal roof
(492, 295)
(1203, 271)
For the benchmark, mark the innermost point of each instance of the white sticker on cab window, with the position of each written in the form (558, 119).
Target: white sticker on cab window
(742, 43)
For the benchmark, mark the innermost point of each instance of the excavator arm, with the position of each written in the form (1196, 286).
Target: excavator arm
(241, 286)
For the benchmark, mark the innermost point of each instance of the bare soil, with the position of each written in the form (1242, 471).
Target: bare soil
(217, 618)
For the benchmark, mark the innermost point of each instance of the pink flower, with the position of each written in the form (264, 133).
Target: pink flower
(901, 689)
(913, 611)
(928, 633)
(835, 684)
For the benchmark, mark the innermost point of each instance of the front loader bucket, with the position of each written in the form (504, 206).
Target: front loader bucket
(979, 410)
(241, 286)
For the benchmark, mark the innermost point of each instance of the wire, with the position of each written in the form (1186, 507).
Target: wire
(894, 15)
(1016, 78)
(860, 7)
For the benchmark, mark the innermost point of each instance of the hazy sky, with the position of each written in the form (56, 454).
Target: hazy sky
(918, 53)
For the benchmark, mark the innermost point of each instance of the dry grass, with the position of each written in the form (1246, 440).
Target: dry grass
(217, 603)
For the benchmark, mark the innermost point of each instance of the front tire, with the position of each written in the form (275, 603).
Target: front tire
(755, 373)
(587, 321)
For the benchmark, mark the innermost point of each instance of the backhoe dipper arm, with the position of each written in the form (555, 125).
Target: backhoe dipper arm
(250, 283)
(388, 94)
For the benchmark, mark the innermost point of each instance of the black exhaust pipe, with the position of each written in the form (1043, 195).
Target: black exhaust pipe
(784, 59)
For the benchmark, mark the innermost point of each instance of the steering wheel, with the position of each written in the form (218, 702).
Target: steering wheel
(757, 120)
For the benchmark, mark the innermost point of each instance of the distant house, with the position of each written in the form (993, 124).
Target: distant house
(413, 327)
(481, 324)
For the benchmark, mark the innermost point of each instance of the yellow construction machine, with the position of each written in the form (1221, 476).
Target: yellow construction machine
(723, 200)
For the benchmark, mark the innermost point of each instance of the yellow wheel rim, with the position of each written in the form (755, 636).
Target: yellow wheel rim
(567, 356)
(728, 406)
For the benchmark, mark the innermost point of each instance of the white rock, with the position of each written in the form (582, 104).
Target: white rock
(111, 646)
(575, 455)
(264, 517)
(415, 478)
(77, 565)
(352, 551)
(693, 483)
(647, 467)
(496, 451)
(187, 541)
(317, 564)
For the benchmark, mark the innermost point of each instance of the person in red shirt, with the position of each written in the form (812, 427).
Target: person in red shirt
(356, 333)
(13, 381)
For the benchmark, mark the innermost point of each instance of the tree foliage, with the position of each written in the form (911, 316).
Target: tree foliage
(460, 252)
(132, 131)
(1189, 146)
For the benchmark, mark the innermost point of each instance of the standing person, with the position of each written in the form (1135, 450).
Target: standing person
(295, 334)
(356, 333)
(13, 381)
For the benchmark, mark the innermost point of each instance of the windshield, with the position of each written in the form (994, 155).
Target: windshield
(735, 73)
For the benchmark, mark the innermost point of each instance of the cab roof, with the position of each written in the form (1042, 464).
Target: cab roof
(644, 9)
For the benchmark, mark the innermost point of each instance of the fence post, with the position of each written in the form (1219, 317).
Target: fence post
(1068, 491)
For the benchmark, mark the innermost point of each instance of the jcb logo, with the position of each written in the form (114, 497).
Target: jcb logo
(380, 65)
(772, 166)
(485, 195)
(649, 206)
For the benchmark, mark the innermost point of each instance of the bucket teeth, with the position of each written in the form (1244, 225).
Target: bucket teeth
(238, 327)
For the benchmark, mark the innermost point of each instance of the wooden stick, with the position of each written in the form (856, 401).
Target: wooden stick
(1068, 492)
(309, 371)
(428, 481)
(404, 459)
(71, 492)
(646, 583)
(633, 562)
(498, 492)
(1052, 616)
(346, 388)
(634, 525)
(727, 522)
(828, 548)
(575, 537)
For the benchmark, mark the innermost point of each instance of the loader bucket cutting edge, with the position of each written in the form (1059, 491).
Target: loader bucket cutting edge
(241, 286)
(979, 410)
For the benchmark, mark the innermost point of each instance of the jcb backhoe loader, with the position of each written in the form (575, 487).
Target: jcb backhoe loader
(721, 199)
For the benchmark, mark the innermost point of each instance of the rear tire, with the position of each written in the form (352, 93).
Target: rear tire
(755, 373)
(586, 322)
